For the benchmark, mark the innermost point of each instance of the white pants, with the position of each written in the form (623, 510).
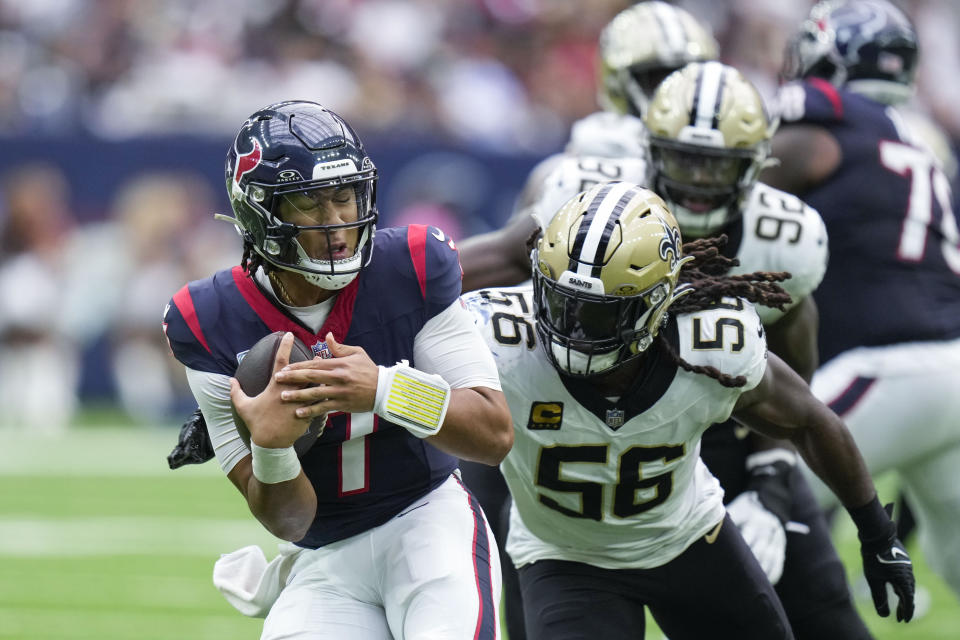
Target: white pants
(902, 405)
(432, 572)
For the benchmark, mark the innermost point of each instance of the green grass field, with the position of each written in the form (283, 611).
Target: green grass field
(99, 540)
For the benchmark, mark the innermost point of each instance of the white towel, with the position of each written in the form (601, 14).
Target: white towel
(248, 582)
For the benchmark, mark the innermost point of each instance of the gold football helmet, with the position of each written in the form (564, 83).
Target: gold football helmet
(709, 137)
(641, 46)
(605, 272)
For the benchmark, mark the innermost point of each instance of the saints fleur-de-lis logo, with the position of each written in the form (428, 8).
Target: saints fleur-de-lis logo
(670, 244)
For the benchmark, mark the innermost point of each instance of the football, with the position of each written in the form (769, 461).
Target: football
(254, 374)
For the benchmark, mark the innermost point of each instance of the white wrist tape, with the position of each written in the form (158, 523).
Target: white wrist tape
(272, 466)
(415, 400)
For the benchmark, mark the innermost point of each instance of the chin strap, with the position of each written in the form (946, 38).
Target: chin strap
(222, 217)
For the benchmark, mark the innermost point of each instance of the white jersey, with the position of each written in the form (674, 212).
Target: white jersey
(782, 233)
(612, 487)
(608, 135)
(575, 173)
(603, 146)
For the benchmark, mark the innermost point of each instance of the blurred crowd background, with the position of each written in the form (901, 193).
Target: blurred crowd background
(115, 117)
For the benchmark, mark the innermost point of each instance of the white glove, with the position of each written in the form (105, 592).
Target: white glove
(762, 531)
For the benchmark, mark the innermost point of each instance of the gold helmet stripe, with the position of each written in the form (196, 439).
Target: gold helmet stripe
(707, 97)
(596, 228)
(669, 20)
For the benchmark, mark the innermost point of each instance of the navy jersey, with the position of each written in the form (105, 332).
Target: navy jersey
(894, 255)
(363, 468)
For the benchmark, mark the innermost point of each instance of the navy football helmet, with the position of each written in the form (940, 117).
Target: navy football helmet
(290, 156)
(869, 46)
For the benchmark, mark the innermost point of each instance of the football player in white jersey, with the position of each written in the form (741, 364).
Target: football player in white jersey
(637, 49)
(613, 509)
(707, 170)
(641, 46)
(708, 138)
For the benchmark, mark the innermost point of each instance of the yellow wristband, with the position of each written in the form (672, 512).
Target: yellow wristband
(415, 400)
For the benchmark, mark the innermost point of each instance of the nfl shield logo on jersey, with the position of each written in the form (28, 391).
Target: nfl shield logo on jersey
(321, 349)
(615, 418)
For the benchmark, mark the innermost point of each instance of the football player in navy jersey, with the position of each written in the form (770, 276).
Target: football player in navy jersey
(388, 542)
(890, 300)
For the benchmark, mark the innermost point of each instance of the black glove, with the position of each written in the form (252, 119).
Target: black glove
(193, 446)
(770, 472)
(884, 558)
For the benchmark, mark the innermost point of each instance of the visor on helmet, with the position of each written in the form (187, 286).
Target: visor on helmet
(587, 334)
(583, 318)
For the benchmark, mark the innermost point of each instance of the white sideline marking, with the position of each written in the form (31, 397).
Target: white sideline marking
(112, 536)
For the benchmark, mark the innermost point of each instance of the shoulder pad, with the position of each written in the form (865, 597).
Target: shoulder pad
(576, 173)
(782, 233)
(728, 336)
(184, 319)
(606, 134)
(505, 319)
(813, 100)
(436, 263)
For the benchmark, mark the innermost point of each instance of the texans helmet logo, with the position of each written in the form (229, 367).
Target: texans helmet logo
(247, 162)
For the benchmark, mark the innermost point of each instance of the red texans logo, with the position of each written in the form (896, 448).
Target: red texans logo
(247, 162)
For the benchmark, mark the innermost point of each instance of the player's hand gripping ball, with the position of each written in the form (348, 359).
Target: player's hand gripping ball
(254, 373)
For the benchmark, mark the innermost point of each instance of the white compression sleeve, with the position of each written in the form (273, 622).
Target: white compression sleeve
(451, 345)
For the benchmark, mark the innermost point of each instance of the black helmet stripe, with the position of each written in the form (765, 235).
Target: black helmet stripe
(596, 228)
(584, 227)
(696, 98)
(708, 95)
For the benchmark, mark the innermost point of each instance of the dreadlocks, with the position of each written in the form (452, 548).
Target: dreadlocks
(251, 260)
(707, 276)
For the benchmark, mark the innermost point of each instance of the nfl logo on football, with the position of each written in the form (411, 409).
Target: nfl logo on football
(615, 418)
(321, 349)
